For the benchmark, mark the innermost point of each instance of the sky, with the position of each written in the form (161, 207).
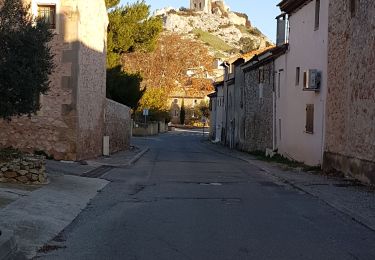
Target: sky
(262, 13)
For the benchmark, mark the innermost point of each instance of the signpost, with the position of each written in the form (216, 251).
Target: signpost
(145, 114)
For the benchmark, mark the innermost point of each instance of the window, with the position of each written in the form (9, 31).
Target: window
(298, 72)
(261, 77)
(352, 7)
(280, 129)
(278, 85)
(317, 14)
(48, 14)
(310, 118)
(200, 5)
(176, 113)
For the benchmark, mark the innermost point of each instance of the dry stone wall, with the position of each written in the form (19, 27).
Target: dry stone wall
(28, 169)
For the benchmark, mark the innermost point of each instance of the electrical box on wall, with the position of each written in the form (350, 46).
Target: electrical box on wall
(312, 80)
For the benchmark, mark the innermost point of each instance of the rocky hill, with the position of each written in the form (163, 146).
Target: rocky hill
(224, 31)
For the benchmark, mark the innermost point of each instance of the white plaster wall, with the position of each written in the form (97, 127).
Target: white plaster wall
(308, 49)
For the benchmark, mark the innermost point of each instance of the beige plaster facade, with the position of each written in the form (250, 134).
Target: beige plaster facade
(70, 124)
(350, 121)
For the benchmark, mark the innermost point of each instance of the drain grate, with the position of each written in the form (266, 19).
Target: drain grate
(98, 172)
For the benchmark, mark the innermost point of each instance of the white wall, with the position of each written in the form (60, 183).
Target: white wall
(308, 49)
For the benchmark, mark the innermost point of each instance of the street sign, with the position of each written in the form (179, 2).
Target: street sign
(145, 112)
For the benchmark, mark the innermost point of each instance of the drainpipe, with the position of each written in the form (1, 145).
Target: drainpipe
(226, 103)
(274, 74)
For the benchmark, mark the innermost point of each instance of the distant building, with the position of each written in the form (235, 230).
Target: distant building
(201, 5)
(350, 120)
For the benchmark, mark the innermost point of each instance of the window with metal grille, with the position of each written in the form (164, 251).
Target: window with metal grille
(48, 14)
(310, 118)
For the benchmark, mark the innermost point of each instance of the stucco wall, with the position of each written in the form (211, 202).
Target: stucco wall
(308, 49)
(258, 110)
(117, 126)
(350, 123)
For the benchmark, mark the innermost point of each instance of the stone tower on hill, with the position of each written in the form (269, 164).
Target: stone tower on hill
(201, 5)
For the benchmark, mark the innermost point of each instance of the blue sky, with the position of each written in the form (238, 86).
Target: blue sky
(261, 13)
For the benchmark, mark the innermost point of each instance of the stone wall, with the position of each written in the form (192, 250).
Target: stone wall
(258, 110)
(92, 34)
(27, 170)
(117, 126)
(350, 120)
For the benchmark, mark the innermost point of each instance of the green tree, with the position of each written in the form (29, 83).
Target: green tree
(25, 60)
(123, 87)
(130, 29)
(182, 113)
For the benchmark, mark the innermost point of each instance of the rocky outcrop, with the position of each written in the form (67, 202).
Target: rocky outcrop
(233, 29)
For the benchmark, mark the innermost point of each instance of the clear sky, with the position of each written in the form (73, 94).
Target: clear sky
(262, 13)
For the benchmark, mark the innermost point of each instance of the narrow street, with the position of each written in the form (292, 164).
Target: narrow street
(183, 200)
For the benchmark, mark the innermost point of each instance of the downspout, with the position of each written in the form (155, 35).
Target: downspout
(274, 107)
(226, 103)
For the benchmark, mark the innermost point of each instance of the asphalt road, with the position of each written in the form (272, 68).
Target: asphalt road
(185, 201)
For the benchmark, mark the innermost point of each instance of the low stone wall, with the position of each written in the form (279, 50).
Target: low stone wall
(29, 169)
(117, 126)
(151, 128)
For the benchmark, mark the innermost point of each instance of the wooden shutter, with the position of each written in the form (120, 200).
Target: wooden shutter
(310, 118)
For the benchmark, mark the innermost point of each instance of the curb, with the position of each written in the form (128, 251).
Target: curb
(127, 164)
(138, 156)
(349, 213)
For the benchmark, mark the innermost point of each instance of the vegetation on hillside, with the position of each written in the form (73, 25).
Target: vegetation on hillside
(25, 60)
(212, 40)
(165, 69)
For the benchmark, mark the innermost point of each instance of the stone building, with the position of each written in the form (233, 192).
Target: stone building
(259, 101)
(191, 100)
(70, 124)
(201, 5)
(350, 120)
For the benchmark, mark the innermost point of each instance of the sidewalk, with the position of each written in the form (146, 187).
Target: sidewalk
(351, 198)
(30, 216)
